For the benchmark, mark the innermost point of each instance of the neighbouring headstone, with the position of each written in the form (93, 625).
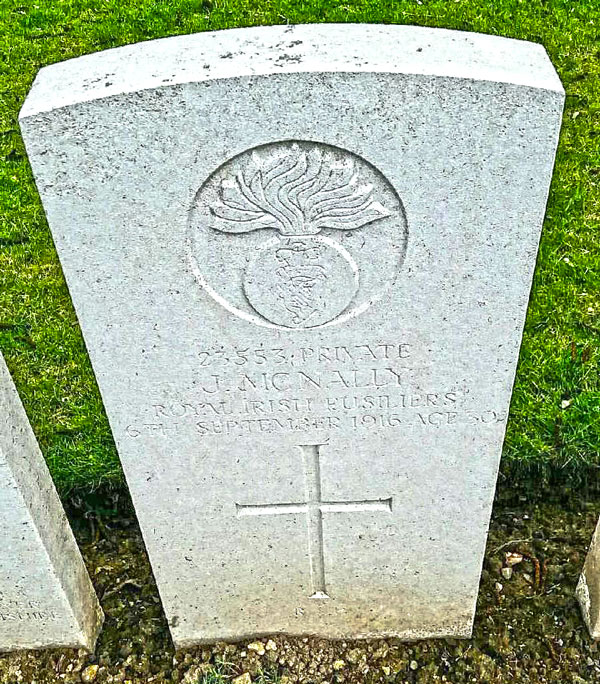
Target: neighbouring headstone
(301, 259)
(588, 588)
(46, 597)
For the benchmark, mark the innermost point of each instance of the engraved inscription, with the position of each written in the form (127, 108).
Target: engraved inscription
(313, 507)
(15, 611)
(340, 235)
(18, 616)
(241, 390)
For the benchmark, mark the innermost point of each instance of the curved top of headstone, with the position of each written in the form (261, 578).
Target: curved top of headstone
(266, 50)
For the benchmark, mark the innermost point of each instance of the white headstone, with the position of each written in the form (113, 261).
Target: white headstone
(46, 597)
(301, 259)
(588, 587)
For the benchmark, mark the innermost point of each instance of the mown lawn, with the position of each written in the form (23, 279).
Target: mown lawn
(554, 428)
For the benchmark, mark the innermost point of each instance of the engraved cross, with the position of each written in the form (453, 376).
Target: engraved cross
(314, 507)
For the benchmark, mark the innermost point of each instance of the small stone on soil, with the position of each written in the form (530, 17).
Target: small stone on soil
(242, 679)
(257, 647)
(90, 673)
(513, 558)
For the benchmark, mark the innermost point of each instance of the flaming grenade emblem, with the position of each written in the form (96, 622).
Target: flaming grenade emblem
(302, 278)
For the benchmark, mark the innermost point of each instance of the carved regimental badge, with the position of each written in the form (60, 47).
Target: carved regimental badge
(296, 235)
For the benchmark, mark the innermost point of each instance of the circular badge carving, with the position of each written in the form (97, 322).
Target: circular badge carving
(296, 235)
(301, 281)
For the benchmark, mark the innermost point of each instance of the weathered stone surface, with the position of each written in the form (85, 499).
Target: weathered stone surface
(588, 587)
(301, 259)
(46, 597)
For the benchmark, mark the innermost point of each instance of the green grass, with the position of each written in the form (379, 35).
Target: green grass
(221, 675)
(554, 426)
(224, 672)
